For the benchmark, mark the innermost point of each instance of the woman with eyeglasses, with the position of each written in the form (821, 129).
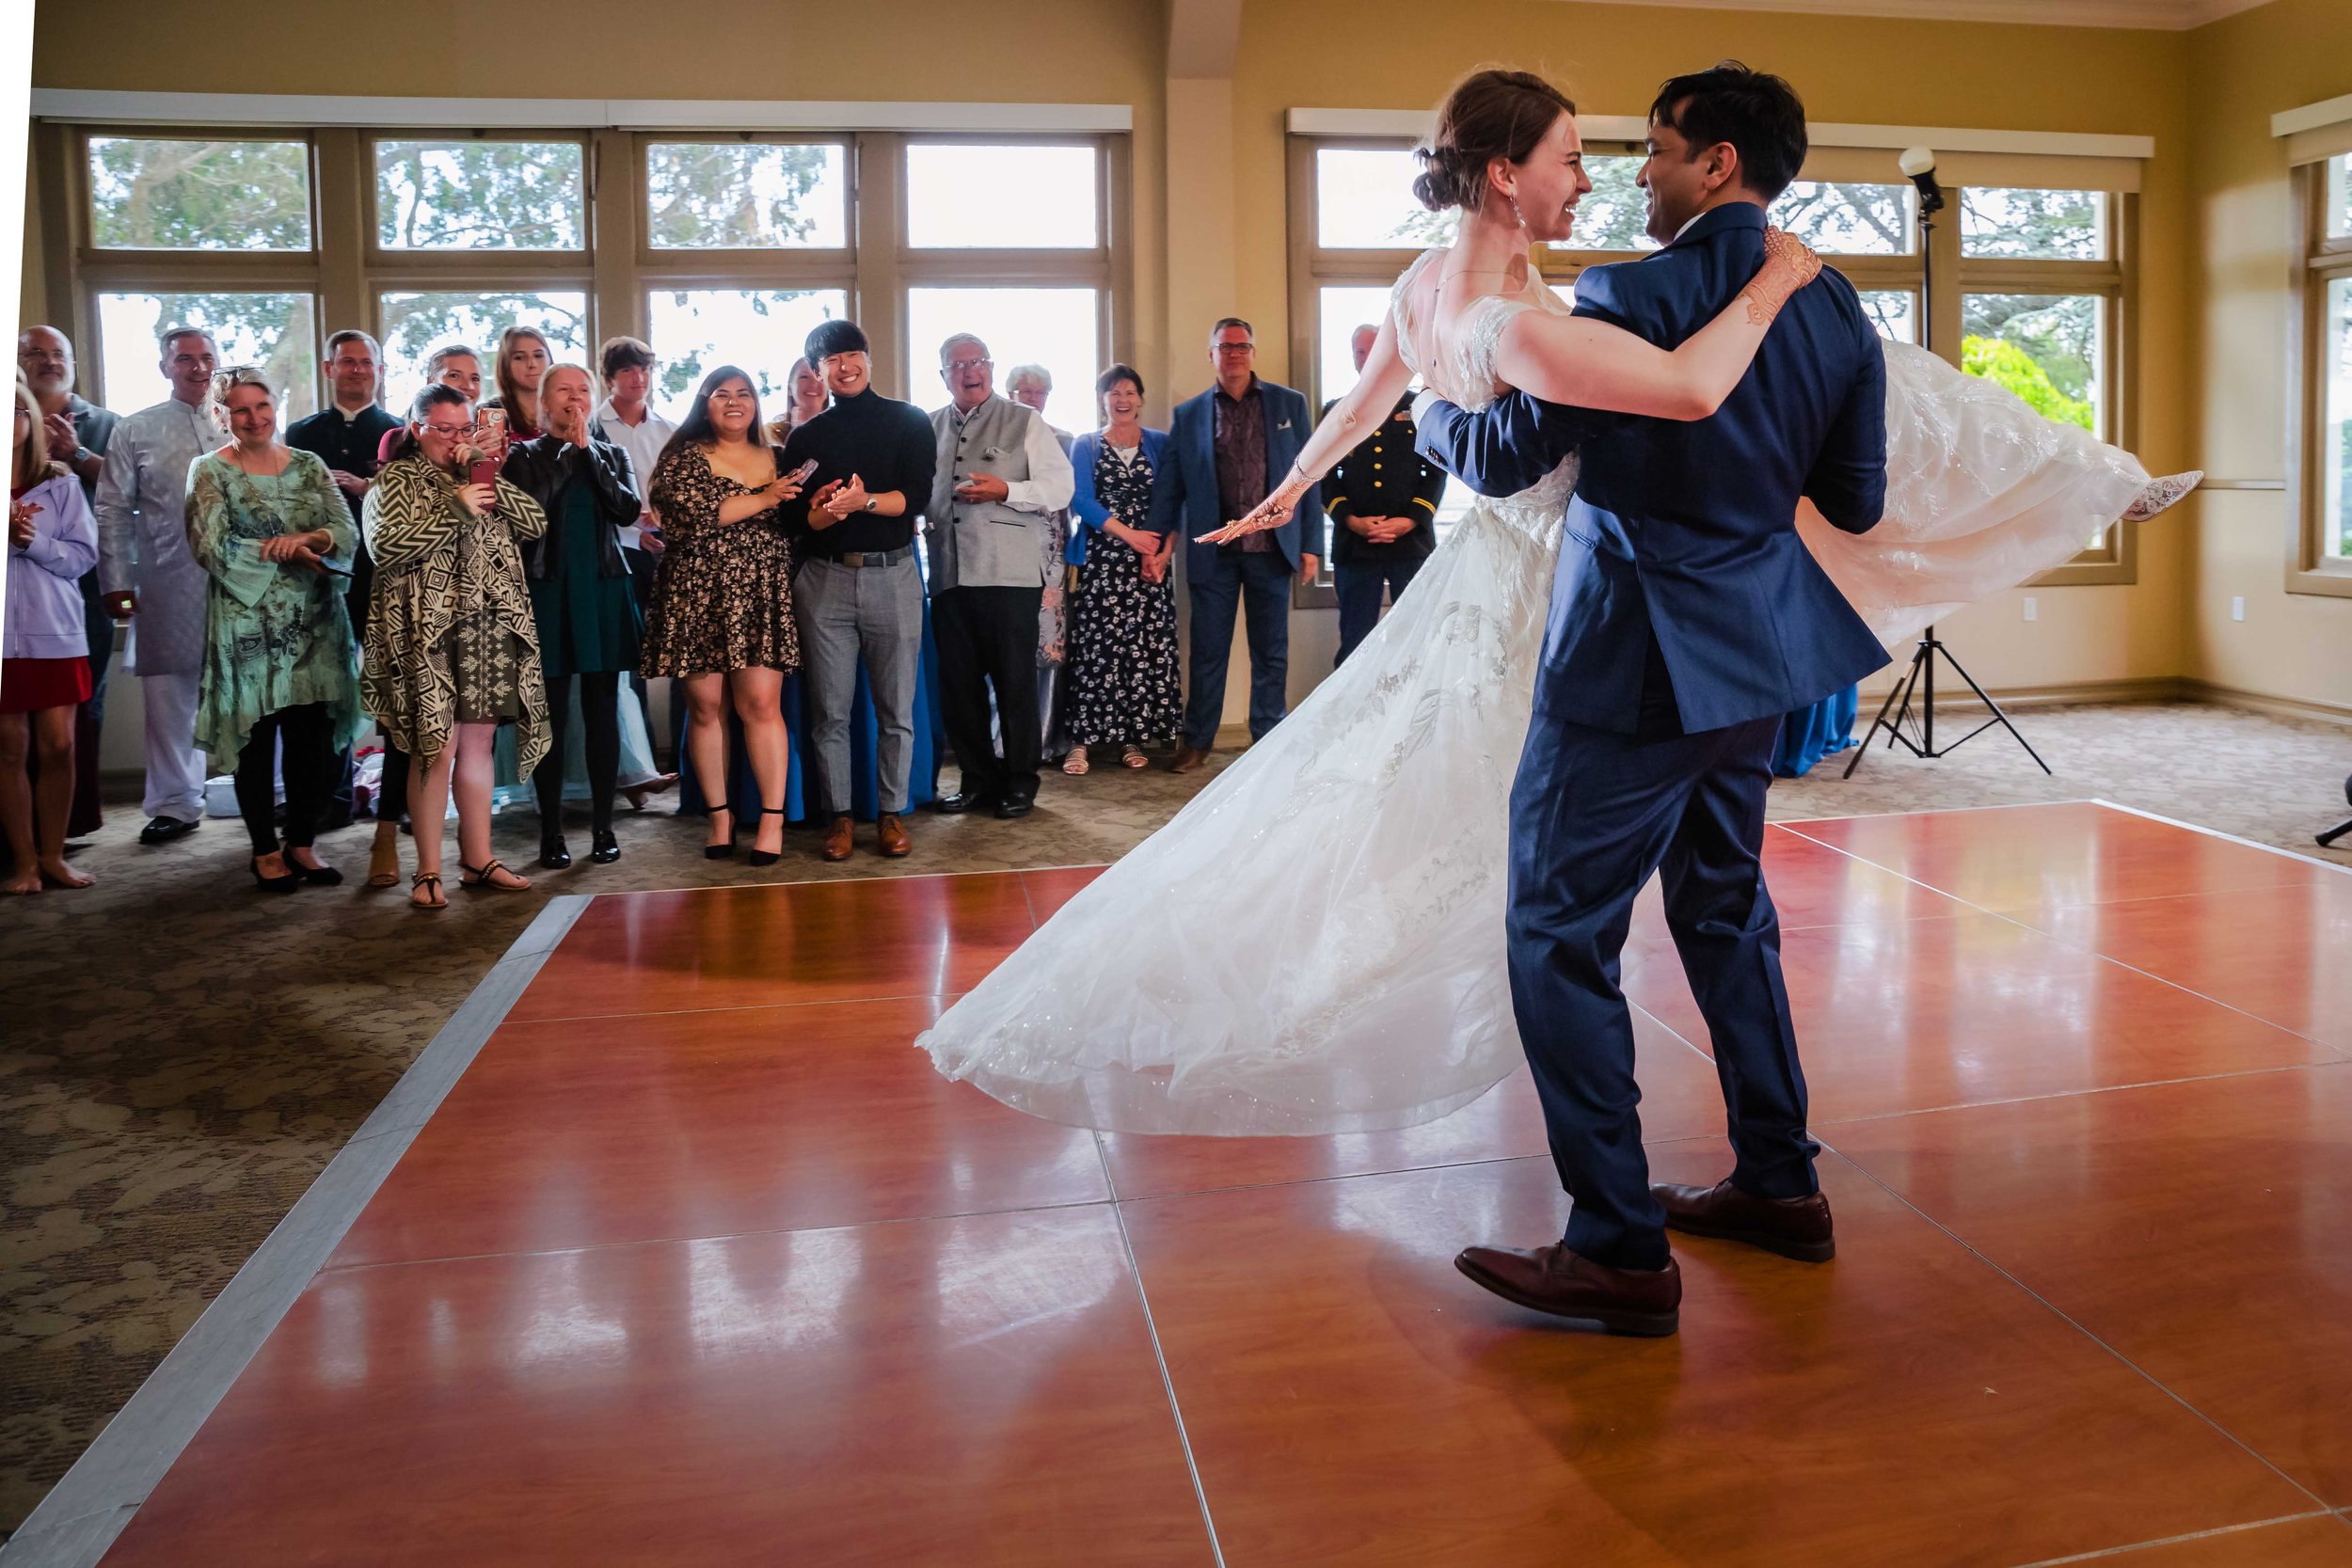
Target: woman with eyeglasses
(280, 668)
(456, 654)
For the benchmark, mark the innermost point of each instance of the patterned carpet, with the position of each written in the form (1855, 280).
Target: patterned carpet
(184, 1055)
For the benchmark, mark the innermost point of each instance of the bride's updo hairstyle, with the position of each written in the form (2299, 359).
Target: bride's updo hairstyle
(1488, 114)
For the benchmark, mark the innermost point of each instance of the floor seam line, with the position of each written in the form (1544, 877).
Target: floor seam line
(2076, 1093)
(1159, 1354)
(2072, 1321)
(2175, 1540)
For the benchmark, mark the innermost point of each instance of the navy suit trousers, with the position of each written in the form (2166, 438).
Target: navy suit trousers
(1593, 815)
(1258, 583)
(1360, 585)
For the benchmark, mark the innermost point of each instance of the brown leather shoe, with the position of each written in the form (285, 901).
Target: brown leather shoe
(1553, 1279)
(893, 834)
(1189, 759)
(839, 839)
(1797, 1228)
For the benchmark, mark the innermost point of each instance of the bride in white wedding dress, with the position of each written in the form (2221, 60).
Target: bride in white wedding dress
(1316, 943)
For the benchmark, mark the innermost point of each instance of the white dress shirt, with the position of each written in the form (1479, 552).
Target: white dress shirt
(644, 442)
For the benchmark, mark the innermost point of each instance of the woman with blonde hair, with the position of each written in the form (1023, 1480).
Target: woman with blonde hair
(44, 661)
(524, 359)
(271, 531)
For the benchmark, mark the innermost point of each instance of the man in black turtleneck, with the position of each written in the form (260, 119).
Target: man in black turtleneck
(859, 592)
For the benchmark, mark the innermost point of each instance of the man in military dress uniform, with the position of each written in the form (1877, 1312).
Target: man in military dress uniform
(1382, 500)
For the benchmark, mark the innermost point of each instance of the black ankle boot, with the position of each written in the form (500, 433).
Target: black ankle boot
(608, 849)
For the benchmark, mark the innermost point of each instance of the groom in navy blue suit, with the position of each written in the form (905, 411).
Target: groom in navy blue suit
(1686, 619)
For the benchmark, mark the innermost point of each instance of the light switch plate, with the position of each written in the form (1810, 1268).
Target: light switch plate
(2033, 607)
(2237, 608)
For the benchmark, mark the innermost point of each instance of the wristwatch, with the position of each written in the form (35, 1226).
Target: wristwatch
(870, 504)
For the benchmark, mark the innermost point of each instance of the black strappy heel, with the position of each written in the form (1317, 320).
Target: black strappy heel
(726, 850)
(766, 857)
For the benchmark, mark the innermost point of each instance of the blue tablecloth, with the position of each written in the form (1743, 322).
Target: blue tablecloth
(1813, 733)
(865, 756)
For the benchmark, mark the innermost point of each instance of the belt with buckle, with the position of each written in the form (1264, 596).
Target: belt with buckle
(872, 558)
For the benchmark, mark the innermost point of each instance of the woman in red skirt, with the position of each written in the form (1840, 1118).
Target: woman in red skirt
(44, 661)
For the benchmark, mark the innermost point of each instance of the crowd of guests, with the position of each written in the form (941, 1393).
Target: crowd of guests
(520, 565)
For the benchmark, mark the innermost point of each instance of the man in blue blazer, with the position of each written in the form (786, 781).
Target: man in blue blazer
(1686, 619)
(1229, 448)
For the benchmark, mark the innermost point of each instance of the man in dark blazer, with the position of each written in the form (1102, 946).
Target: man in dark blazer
(1229, 448)
(1381, 502)
(1686, 619)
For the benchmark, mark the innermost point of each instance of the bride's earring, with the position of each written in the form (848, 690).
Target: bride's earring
(1517, 216)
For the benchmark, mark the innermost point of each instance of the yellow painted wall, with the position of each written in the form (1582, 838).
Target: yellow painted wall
(2246, 69)
(1210, 205)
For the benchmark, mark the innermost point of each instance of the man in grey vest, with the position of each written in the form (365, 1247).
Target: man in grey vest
(1001, 477)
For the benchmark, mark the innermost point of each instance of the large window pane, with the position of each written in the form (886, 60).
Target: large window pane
(1613, 213)
(416, 324)
(703, 195)
(759, 330)
(1364, 201)
(2339, 177)
(478, 195)
(169, 194)
(1846, 220)
(2045, 348)
(1894, 311)
(2335, 444)
(2033, 224)
(1053, 327)
(278, 332)
(961, 196)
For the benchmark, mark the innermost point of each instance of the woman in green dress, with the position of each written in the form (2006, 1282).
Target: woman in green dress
(579, 593)
(268, 526)
(453, 651)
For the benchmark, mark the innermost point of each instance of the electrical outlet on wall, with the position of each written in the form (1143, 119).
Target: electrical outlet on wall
(2237, 608)
(2033, 607)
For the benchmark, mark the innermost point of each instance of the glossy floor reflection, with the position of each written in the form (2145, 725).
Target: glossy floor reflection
(700, 1262)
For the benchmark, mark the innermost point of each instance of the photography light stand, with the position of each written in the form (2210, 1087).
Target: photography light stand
(1919, 680)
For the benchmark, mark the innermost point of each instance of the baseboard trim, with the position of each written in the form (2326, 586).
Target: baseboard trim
(2283, 708)
(1955, 695)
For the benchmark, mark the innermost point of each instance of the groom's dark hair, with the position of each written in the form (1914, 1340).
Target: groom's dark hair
(1758, 113)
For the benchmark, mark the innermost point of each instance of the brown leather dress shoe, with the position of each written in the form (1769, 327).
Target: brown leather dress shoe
(1797, 1228)
(1553, 1279)
(893, 834)
(1189, 759)
(840, 838)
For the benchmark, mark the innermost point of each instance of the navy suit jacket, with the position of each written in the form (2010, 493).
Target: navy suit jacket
(1683, 532)
(1183, 492)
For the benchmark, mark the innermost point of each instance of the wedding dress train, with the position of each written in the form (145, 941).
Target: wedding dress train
(1316, 943)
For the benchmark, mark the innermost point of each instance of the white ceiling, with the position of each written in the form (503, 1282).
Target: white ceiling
(2160, 15)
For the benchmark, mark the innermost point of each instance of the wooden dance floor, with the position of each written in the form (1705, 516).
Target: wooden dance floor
(699, 1263)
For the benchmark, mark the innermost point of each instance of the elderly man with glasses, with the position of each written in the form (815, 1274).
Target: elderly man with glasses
(1001, 479)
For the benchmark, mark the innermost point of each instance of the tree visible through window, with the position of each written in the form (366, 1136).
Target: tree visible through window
(2043, 347)
(703, 196)
(478, 195)
(173, 194)
(276, 331)
(416, 324)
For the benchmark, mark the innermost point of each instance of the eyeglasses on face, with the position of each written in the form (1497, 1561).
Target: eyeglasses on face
(959, 366)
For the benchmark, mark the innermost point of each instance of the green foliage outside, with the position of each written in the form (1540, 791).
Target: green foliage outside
(730, 195)
(2005, 364)
(157, 195)
(479, 196)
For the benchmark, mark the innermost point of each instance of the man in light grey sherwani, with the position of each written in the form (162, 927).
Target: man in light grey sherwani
(147, 576)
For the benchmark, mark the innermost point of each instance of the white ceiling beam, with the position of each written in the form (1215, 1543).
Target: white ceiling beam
(235, 109)
(1942, 139)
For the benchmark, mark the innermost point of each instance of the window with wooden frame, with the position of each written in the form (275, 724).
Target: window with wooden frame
(2045, 284)
(715, 246)
(2319, 376)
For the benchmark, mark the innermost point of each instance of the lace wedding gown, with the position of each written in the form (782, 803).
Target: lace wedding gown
(1316, 943)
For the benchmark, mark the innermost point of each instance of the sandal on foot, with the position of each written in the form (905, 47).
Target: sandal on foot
(766, 857)
(480, 875)
(726, 850)
(1075, 763)
(422, 881)
(1133, 758)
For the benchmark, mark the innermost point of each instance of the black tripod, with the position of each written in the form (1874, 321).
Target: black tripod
(1919, 680)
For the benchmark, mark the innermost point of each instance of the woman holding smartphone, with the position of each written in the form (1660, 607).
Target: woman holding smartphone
(721, 617)
(455, 651)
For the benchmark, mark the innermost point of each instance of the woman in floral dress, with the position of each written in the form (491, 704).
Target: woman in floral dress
(1126, 690)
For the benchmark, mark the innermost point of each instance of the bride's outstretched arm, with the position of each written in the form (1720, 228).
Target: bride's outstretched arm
(1591, 364)
(1352, 419)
